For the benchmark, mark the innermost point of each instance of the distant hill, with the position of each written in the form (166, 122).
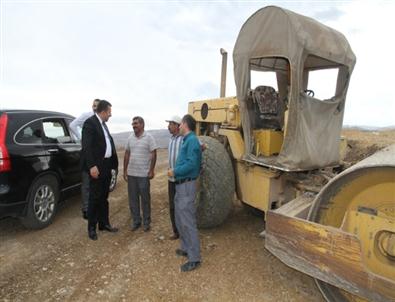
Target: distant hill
(161, 136)
(369, 128)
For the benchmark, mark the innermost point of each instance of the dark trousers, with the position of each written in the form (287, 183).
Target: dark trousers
(172, 194)
(85, 190)
(139, 191)
(98, 197)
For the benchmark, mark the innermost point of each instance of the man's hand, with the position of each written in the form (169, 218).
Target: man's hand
(170, 173)
(151, 174)
(94, 172)
(125, 176)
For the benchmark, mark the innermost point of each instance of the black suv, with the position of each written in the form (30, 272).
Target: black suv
(39, 164)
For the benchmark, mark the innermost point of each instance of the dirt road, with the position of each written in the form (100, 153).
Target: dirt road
(61, 263)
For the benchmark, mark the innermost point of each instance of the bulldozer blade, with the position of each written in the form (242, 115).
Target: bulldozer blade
(325, 253)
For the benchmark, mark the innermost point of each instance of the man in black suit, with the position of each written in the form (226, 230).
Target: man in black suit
(98, 157)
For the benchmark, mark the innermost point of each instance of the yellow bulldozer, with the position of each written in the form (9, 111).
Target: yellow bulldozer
(279, 150)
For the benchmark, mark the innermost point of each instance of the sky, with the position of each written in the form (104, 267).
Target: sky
(150, 58)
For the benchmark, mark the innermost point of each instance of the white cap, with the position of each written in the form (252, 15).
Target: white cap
(174, 119)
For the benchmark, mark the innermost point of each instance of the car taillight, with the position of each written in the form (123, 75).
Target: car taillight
(5, 162)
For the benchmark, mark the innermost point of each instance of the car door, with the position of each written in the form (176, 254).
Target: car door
(63, 151)
(28, 157)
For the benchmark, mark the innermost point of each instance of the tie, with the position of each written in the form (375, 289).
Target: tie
(109, 139)
(105, 127)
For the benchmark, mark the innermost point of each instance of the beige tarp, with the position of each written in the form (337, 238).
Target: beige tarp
(271, 39)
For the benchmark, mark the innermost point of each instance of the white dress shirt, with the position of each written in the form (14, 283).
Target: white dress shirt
(107, 137)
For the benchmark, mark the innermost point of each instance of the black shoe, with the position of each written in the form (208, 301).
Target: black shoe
(180, 252)
(135, 227)
(146, 228)
(85, 215)
(108, 228)
(92, 234)
(190, 266)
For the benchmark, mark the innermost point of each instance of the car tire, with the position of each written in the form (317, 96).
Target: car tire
(113, 181)
(42, 202)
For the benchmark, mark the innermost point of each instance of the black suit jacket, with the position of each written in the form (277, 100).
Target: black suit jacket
(94, 145)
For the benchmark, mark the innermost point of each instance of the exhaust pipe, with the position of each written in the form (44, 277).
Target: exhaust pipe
(223, 72)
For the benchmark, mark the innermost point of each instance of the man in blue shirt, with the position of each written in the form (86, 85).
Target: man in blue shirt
(186, 172)
(173, 150)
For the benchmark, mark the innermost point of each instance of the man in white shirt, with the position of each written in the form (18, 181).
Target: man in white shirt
(76, 127)
(138, 170)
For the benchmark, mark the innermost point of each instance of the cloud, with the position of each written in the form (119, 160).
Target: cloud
(328, 14)
(207, 90)
(151, 59)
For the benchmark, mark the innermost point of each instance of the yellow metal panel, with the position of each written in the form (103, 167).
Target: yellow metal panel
(224, 111)
(235, 141)
(328, 254)
(373, 231)
(256, 185)
(375, 190)
(364, 205)
(268, 142)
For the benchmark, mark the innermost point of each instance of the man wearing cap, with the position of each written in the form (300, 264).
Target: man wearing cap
(174, 147)
(138, 169)
(186, 172)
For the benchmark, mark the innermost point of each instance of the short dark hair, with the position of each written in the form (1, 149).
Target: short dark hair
(190, 121)
(139, 119)
(103, 106)
(94, 104)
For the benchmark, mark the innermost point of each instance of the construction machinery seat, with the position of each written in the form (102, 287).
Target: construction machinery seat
(267, 107)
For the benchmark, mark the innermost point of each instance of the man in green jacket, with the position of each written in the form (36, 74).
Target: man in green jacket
(186, 172)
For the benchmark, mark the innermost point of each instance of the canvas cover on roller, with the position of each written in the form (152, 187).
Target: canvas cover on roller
(313, 129)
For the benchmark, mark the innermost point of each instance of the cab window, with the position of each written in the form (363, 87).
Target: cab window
(321, 78)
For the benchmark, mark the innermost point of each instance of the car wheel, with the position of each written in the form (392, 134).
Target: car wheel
(113, 182)
(42, 201)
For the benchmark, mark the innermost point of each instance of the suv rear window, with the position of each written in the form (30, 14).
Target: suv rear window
(55, 132)
(30, 134)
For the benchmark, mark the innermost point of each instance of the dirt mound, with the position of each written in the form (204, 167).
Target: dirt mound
(362, 144)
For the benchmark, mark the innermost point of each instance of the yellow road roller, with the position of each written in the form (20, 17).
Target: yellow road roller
(277, 147)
